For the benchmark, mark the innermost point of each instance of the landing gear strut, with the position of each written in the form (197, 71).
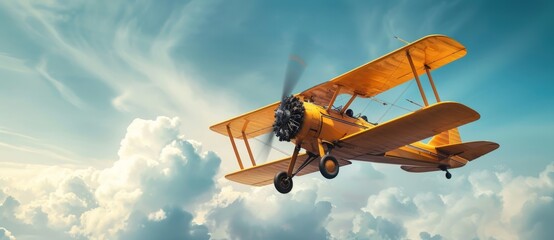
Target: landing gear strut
(328, 165)
(448, 175)
(283, 180)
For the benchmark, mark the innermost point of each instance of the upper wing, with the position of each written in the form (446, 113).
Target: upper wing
(253, 124)
(367, 80)
(263, 174)
(390, 70)
(404, 130)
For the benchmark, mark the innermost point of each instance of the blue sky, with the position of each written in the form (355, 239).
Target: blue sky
(105, 105)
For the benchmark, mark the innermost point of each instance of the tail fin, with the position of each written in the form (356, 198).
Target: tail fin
(451, 136)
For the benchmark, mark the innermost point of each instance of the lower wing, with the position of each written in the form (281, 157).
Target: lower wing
(404, 130)
(263, 174)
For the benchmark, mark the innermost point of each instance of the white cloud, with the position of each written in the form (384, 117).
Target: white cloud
(177, 225)
(366, 226)
(10, 63)
(483, 205)
(427, 236)
(391, 203)
(5, 234)
(264, 214)
(162, 181)
(158, 176)
(157, 168)
(157, 216)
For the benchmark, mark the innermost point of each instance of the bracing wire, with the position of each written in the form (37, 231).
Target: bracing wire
(395, 101)
(366, 106)
(391, 104)
(271, 146)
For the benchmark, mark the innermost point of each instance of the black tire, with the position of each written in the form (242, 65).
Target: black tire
(448, 175)
(329, 166)
(282, 182)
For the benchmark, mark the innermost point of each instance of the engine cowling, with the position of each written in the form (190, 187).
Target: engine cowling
(298, 120)
(289, 117)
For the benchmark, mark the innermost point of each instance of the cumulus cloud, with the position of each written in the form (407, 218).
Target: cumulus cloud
(174, 223)
(157, 169)
(7, 208)
(5, 234)
(148, 191)
(154, 190)
(427, 236)
(366, 226)
(163, 186)
(260, 215)
(483, 205)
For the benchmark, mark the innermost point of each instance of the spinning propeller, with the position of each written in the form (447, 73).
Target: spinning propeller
(289, 116)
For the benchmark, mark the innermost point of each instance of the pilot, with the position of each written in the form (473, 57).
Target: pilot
(364, 117)
(349, 113)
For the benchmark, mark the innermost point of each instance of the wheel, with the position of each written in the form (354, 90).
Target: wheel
(448, 175)
(329, 166)
(282, 182)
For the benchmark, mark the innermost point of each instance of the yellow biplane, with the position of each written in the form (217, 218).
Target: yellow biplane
(334, 137)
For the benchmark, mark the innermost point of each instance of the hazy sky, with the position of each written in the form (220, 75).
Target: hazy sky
(105, 108)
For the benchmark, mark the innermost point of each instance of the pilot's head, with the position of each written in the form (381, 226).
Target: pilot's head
(349, 112)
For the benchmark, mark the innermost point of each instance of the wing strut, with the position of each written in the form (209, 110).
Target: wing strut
(426, 67)
(243, 132)
(348, 103)
(334, 97)
(248, 148)
(432, 83)
(234, 147)
(417, 78)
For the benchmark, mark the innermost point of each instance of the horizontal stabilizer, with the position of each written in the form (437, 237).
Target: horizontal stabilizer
(263, 174)
(418, 169)
(469, 150)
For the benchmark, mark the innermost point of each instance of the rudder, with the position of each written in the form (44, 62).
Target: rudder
(451, 136)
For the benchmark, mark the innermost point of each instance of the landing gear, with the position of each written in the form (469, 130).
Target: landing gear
(448, 175)
(329, 166)
(282, 182)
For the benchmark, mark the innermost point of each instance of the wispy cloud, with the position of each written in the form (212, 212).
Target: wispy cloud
(137, 63)
(11, 63)
(15, 134)
(66, 93)
(40, 151)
